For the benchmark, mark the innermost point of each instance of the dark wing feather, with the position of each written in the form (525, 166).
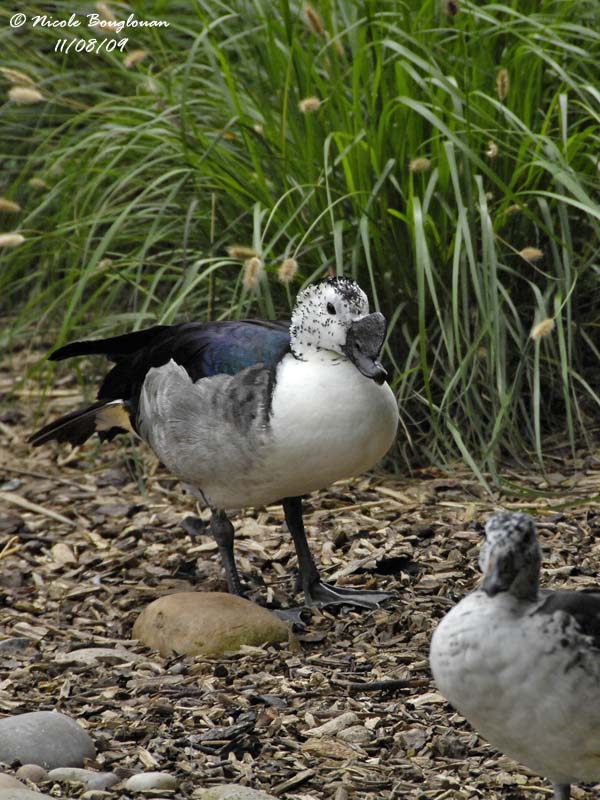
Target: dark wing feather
(202, 348)
(75, 427)
(583, 606)
(114, 348)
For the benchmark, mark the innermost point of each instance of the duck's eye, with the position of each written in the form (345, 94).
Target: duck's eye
(331, 308)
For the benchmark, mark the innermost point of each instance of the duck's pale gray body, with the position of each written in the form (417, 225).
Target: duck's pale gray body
(527, 680)
(281, 433)
(523, 666)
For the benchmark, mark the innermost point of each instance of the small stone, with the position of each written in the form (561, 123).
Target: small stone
(23, 794)
(102, 780)
(8, 782)
(47, 738)
(69, 774)
(231, 791)
(145, 781)
(33, 773)
(91, 779)
(210, 623)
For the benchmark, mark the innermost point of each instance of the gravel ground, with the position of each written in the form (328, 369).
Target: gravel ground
(90, 536)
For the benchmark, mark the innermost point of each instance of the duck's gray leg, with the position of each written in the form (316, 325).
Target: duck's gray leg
(223, 534)
(316, 592)
(562, 791)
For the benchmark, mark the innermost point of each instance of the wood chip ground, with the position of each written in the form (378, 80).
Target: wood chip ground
(90, 536)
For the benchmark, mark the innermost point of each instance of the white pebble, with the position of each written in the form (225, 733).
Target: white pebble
(150, 780)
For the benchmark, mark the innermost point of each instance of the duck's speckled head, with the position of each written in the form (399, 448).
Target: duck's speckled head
(333, 316)
(510, 557)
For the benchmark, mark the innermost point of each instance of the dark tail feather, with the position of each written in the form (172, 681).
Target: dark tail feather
(107, 418)
(114, 347)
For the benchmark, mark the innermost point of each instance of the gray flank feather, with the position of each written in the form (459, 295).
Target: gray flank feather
(217, 425)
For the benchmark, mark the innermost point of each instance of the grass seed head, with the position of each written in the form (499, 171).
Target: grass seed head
(107, 24)
(420, 164)
(339, 48)
(543, 328)
(106, 12)
(531, 254)
(309, 105)
(9, 206)
(287, 270)
(13, 239)
(515, 208)
(241, 251)
(37, 183)
(14, 76)
(25, 95)
(492, 149)
(502, 83)
(253, 272)
(314, 20)
(134, 58)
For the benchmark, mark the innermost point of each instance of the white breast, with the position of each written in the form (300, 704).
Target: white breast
(512, 675)
(328, 422)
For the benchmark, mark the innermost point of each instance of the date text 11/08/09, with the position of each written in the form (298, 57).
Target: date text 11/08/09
(89, 45)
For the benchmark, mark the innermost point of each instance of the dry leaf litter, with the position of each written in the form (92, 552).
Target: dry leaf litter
(90, 536)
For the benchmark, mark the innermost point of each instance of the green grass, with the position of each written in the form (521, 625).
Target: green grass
(153, 171)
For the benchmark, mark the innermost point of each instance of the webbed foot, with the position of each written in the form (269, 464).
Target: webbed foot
(321, 594)
(293, 615)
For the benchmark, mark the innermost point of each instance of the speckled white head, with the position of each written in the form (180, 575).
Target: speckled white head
(323, 313)
(510, 557)
(333, 316)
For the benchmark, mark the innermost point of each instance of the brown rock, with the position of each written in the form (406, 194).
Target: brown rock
(210, 623)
